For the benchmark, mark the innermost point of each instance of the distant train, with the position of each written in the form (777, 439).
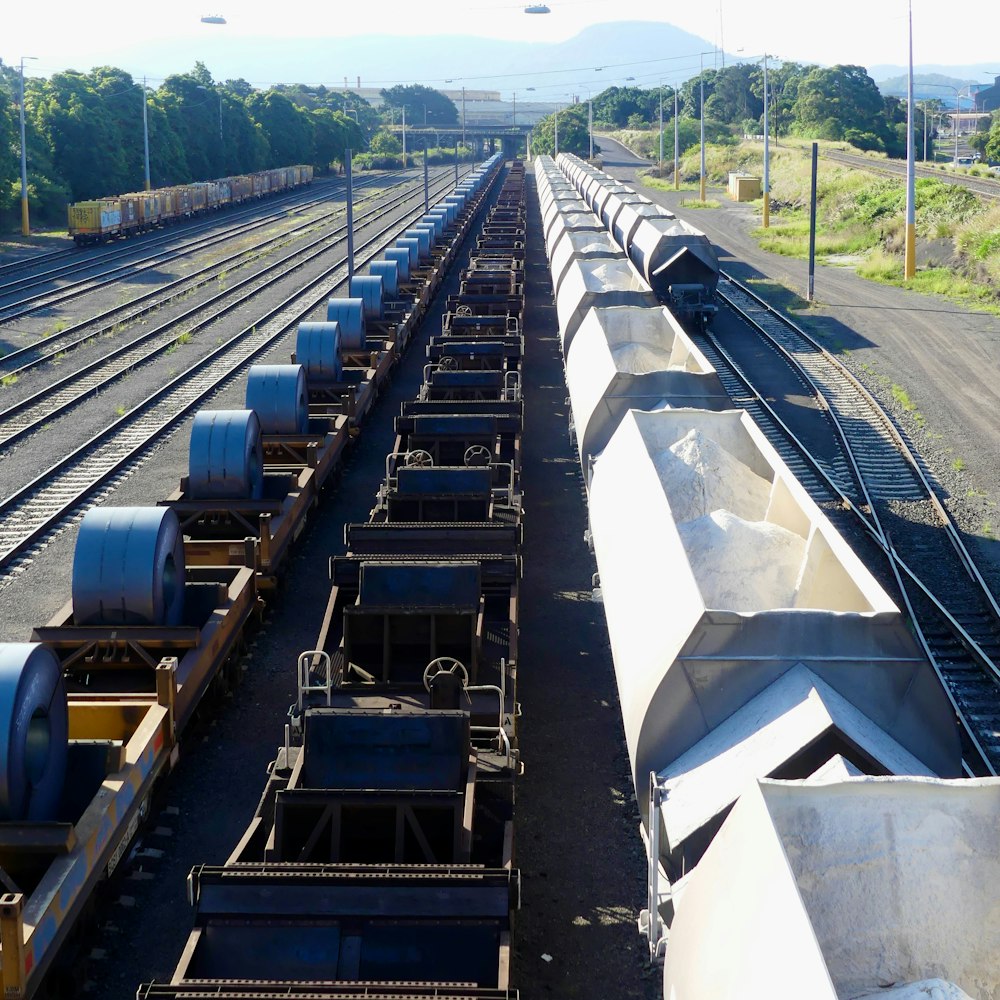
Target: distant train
(105, 219)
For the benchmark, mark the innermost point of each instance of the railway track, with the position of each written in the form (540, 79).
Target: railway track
(122, 249)
(49, 502)
(879, 478)
(169, 251)
(981, 186)
(31, 412)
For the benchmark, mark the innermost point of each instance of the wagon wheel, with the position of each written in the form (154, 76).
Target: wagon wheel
(448, 364)
(477, 454)
(445, 665)
(463, 311)
(418, 459)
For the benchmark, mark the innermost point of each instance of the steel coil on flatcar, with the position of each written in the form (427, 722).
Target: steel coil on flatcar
(388, 271)
(317, 349)
(350, 314)
(128, 567)
(34, 732)
(225, 459)
(278, 394)
(368, 288)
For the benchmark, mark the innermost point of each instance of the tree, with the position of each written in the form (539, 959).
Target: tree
(991, 150)
(783, 90)
(733, 98)
(289, 129)
(85, 140)
(385, 143)
(9, 141)
(832, 101)
(417, 100)
(574, 135)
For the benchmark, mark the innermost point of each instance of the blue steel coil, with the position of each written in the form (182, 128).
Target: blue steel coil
(34, 732)
(436, 221)
(350, 314)
(428, 228)
(401, 257)
(368, 288)
(388, 271)
(412, 246)
(225, 459)
(128, 567)
(423, 237)
(317, 349)
(442, 212)
(278, 394)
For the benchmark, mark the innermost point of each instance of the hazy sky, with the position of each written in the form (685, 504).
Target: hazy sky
(868, 32)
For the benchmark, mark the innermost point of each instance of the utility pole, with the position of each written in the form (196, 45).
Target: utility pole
(557, 133)
(590, 124)
(25, 223)
(463, 115)
(145, 134)
(811, 289)
(767, 157)
(702, 82)
(910, 257)
(677, 146)
(660, 174)
(404, 136)
(348, 157)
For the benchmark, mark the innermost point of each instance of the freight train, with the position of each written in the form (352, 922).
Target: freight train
(106, 219)
(795, 757)
(379, 862)
(92, 709)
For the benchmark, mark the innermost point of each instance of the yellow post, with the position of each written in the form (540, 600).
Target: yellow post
(12, 976)
(702, 187)
(677, 180)
(25, 225)
(910, 260)
(767, 209)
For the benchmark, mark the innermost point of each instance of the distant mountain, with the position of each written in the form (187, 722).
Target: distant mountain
(957, 76)
(381, 60)
(929, 85)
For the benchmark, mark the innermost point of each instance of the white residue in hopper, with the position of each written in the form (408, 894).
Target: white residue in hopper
(638, 359)
(743, 565)
(699, 476)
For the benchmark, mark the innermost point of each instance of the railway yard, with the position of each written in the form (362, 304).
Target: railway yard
(531, 611)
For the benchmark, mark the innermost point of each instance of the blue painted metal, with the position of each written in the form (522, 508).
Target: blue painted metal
(225, 459)
(317, 349)
(423, 237)
(350, 314)
(128, 567)
(368, 288)
(412, 245)
(388, 271)
(34, 732)
(401, 256)
(278, 394)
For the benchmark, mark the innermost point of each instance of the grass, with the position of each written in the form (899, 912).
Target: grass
(958, 464)
(57, 327)
(8, 380)
(120, 411)
(184, 338)
(860, 215)
(698, 203)
(987, 529)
